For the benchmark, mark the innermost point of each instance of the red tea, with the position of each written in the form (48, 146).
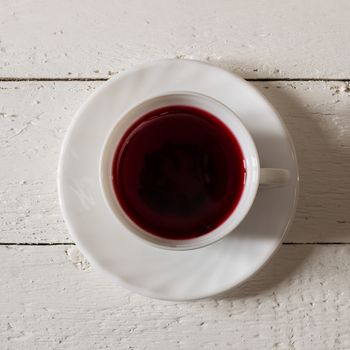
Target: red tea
(178, 172)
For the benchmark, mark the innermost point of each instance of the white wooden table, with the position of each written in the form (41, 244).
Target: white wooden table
(54, 53)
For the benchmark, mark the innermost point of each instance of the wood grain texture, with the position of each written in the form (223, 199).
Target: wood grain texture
(34, 117)
(50, 298)
(74, 38)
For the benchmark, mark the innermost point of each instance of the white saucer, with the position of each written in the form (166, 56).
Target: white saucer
(158, 273)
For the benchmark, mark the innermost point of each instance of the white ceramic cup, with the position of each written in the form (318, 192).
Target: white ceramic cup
(254, 174)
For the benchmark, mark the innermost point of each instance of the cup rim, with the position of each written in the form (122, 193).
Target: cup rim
(208, 238)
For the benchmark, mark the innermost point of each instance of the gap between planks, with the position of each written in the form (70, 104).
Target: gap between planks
(19, 79)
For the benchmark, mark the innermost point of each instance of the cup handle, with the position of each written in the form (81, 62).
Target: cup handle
(274, 177)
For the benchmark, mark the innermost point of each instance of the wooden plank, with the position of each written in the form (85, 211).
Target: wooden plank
(64, 38)
(35, 115)
(50, 298)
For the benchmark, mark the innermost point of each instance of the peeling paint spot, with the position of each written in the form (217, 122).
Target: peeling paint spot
(78, 260)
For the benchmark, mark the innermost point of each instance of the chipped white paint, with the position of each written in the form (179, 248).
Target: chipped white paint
(300, 300)
(35, 115)
(73, 38)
